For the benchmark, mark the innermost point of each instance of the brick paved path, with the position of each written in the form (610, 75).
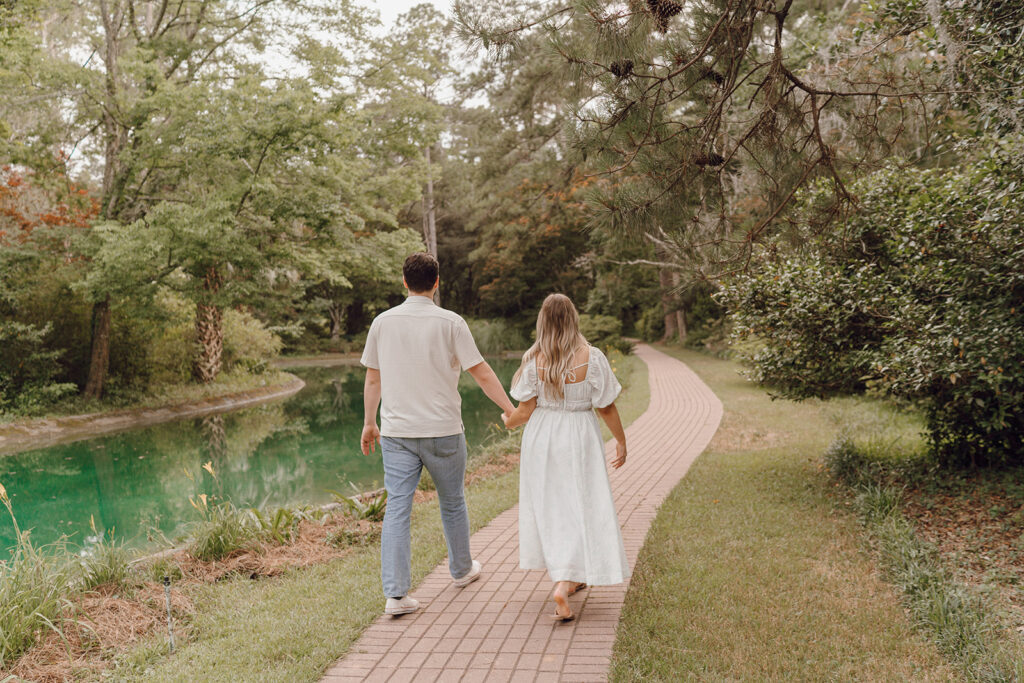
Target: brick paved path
(497, 629)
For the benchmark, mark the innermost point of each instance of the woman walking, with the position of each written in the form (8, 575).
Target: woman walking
(567, 520)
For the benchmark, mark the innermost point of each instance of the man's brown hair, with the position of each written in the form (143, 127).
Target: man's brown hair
(420, 271)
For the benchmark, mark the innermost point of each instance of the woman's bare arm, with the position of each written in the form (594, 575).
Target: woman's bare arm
(610, 415)
(521, 414)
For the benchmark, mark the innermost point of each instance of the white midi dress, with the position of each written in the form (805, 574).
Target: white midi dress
(567, 519)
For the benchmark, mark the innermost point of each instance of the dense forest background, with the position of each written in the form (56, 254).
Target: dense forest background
(831, 188)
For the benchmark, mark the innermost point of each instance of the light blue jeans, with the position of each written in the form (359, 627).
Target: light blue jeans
(404, 460)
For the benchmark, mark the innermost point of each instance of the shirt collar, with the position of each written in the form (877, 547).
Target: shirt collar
(419, 299)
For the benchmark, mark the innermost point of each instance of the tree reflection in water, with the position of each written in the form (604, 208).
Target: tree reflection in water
(139, 482)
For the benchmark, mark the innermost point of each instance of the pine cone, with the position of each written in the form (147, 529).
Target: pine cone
(622, 68)
(712, 75)
(709, 159)
(663, 10)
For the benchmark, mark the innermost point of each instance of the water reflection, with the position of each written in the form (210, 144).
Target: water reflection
(137, 484)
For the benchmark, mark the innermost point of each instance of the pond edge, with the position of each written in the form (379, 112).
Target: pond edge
(46, 432)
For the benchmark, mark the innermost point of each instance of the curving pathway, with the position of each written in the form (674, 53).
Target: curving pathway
(497, 629)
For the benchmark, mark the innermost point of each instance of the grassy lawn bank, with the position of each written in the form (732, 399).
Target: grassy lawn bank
(750, 573)
(294, 626)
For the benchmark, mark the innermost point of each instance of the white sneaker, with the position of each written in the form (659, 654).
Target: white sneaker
(473, 575)
(405, 605)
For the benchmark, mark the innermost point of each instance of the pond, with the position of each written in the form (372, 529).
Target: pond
(136, 485)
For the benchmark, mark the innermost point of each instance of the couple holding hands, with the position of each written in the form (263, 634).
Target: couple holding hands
(567, 522)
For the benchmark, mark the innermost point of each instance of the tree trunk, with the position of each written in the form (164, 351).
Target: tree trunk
(681, 327)
(428, 210)
(336, 313)
(209, 331)
(668, 305)
(430, 223)
(99, 358)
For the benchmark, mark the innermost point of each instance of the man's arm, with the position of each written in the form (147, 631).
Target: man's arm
(489, 382)
(371, 399)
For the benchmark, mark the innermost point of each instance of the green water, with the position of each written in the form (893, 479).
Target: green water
(136, 485)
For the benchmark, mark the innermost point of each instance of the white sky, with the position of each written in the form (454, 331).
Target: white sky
(390, 9)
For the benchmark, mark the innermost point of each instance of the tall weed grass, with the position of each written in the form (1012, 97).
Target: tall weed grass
(954, 618)
(33, 588)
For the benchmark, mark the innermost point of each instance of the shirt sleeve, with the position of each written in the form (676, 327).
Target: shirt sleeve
(525, 386)
(464, 346)
(370, 357)
(605, 387)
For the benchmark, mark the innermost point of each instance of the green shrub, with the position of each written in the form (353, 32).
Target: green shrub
(604, 332)
(248, 344)
(651, 323)
(845, 462)
(495, 336)
(172, 350)
(247, 341)
(919, 296)
(29, 369)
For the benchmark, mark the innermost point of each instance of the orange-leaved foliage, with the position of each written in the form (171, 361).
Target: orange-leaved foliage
(30, 202)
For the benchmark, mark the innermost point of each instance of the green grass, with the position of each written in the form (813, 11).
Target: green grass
(291, 628)
(749, 572)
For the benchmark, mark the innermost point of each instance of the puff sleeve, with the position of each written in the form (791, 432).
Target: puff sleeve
(604, 387)
(525, 387)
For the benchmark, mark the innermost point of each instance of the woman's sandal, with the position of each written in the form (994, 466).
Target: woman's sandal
(578, 587)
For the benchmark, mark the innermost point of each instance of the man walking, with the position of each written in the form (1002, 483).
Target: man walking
(413, 356)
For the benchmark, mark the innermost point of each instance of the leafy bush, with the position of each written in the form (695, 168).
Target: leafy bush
(845, 462)
(919, 295)
(604, 332)
(651, 323)
(172, 350)
(248, 344)
(28, 369)
(495, 336)
(247, 341)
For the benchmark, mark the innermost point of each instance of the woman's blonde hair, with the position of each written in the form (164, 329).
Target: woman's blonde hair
(558, 338)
